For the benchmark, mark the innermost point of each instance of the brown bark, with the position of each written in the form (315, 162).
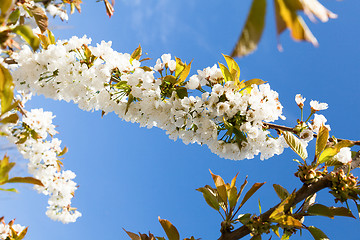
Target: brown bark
(305, 191)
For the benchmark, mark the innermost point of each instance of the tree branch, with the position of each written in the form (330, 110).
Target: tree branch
(305, 191)
(289, 129)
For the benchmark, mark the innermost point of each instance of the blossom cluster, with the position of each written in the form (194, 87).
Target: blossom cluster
(31, 135)
(227, 119)
(7, 230)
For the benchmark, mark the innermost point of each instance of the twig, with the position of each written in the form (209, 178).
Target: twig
(284, 128)
(305, 191)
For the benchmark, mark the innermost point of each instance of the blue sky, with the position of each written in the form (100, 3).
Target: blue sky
(129, 176)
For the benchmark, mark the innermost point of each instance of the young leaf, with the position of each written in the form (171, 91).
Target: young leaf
(251, 192)
(9, 190)
(183, 75)
(40, 17)
(210, 197)
(220, 186)
(5, 167)
(132, 235)
(170, 230)
(180, 66)
(30, 180)
(321, 140)
(281, 192)
(287, 17)
(295, 144)
(232, 196)
(109, 8)
(317, 233)
(27, 34)
(226, 73)
(13, 118)
(22, 234)
(233, 181)
(330, 152)
(6, 89)
(233, 67)
(287, 221)
(136, 54)
(280, 210)
(252, 31)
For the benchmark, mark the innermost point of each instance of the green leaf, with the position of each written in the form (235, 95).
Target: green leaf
(14, 16)
(285, 204)
(29, 180)
(234, 68)
(341, 211)
(209, 195)
(40, 18)
(244, 218)
(132, 235)
(170, 230)
(170, 79)
(330, 152)
(251, 192)
(286, 235)
(27, 34)
(181, 92)
(252, 31)
(275, 229)
(288, 221)
(9, 190)
(136, 54)
(13, 118)
(220, 186)
(320, 210)
(295, 144)
(183, 75)
(317, 233)
(358, 208)
(232, 196)
(281, 192)
(51, 37)
(6, 89)
(321, 140)
(226, 73)
(5, 167)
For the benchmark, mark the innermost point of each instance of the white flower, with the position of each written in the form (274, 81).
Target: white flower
(299, 100)
(316, 106)
(317, 122)
(344, 155)
(159, 65)
(193, 82)
(172, 65)
(166, 58)
(307, 135)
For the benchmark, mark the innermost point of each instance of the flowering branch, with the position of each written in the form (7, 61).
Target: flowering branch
(305, 191)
